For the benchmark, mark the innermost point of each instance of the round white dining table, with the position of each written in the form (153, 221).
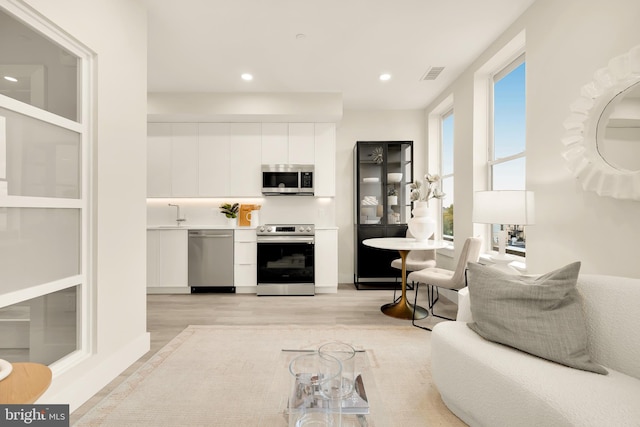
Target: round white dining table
(402, 309)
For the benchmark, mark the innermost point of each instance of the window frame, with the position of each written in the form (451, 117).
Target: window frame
(443, 117)
(492, 161)
(482, 111)
(434, 162)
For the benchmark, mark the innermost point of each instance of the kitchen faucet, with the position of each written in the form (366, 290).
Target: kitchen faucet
(178, 219)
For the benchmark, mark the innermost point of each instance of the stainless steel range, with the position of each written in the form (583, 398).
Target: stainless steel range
(286, 259)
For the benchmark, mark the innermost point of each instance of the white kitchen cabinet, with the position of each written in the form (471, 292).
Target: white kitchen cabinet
(225, 159)
(159, 159)
(184, 159)
(172, 156)
(325, 160)
(326, 260)
(301, 143)
(275, 143)
(288, 143)
(167, 260)
(245, 257)
(245, 160)
(214, 172)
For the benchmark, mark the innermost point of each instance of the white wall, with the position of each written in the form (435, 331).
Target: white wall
(244, 107)
(391, 125)
(566, 42)
(116, 31)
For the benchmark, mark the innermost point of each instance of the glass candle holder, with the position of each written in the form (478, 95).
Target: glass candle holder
(310, 401)
(346, 354)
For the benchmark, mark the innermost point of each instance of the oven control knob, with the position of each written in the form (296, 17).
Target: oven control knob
(301, 229)
(261, 229)
(308, 230)
(269, 229)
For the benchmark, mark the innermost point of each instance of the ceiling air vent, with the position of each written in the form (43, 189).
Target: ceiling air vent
(432, 73)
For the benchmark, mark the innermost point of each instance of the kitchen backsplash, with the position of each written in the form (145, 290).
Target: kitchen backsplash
(282, 209)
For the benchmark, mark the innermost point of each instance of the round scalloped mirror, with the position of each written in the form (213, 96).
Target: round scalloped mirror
(603, 131)
(618, 134)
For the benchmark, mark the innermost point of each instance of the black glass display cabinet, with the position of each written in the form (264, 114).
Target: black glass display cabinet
(383, 171)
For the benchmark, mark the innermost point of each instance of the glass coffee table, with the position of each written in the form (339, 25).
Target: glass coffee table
(364, 410)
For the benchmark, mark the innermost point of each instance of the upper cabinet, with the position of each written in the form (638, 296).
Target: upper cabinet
(306, 144)
(213, 160)
(288, 143)
(325, 160)
(159, 160)
(245, 152)
(184, 155)
(225, 159)
(203, 160)
(301, 143)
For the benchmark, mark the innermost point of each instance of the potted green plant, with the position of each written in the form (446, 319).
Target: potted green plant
(230, 211)
(392, 196)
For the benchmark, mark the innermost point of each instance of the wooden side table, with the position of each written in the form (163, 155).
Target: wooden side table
(25, 384)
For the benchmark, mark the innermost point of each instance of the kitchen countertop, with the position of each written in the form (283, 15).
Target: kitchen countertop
(216, 227)
(196, 227)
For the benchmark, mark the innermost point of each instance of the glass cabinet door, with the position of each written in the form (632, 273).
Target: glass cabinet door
(371, 183)
(384, 173)
(398, 178)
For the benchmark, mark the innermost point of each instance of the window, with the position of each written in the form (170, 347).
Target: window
(507, 146)
(44, 190)
(446, 168)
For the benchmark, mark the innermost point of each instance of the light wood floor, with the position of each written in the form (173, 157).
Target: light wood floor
(168, 315)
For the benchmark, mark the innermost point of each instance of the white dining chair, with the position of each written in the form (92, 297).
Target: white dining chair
(436, 277)
(416, 260)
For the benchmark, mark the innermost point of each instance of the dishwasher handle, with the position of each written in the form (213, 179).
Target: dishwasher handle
(205, 235)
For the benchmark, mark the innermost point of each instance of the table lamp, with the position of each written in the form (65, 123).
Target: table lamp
(513, 207)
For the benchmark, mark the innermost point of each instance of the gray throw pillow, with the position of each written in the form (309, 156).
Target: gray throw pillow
(539, 315)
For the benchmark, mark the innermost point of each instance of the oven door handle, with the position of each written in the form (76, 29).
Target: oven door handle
(285, 239)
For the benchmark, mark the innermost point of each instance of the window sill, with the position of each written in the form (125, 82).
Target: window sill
(519, 263)
(447, 251)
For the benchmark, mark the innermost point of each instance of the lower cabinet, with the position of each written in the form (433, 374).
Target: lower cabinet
(245, 260)
(373, 266)
(168, 264)
(167, 261)
(326, 260)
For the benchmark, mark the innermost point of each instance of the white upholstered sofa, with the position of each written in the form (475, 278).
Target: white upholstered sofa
(489, 384)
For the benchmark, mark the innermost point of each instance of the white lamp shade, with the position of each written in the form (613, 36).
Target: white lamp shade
(503, 207)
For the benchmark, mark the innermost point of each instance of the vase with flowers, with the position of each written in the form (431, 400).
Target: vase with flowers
(421, 225)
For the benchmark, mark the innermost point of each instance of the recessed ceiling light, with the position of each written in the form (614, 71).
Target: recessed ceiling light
(247, 77)
(11, 79)
(384, 77)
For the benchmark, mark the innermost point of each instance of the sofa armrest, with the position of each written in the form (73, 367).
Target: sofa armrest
(464, 306)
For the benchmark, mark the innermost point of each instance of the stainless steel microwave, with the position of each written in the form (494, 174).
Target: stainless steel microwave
(282, 180)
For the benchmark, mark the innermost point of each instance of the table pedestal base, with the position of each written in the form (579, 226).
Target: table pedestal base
(403, 310)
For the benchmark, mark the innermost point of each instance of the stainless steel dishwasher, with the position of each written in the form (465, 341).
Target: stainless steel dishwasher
(211, 261)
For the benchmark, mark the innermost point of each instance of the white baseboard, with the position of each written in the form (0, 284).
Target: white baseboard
(78, 384)
(328, 289)
(169, 290)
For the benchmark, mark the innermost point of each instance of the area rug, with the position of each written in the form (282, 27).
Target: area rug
(219, 375)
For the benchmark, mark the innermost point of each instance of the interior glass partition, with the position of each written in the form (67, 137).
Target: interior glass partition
(45, 111)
